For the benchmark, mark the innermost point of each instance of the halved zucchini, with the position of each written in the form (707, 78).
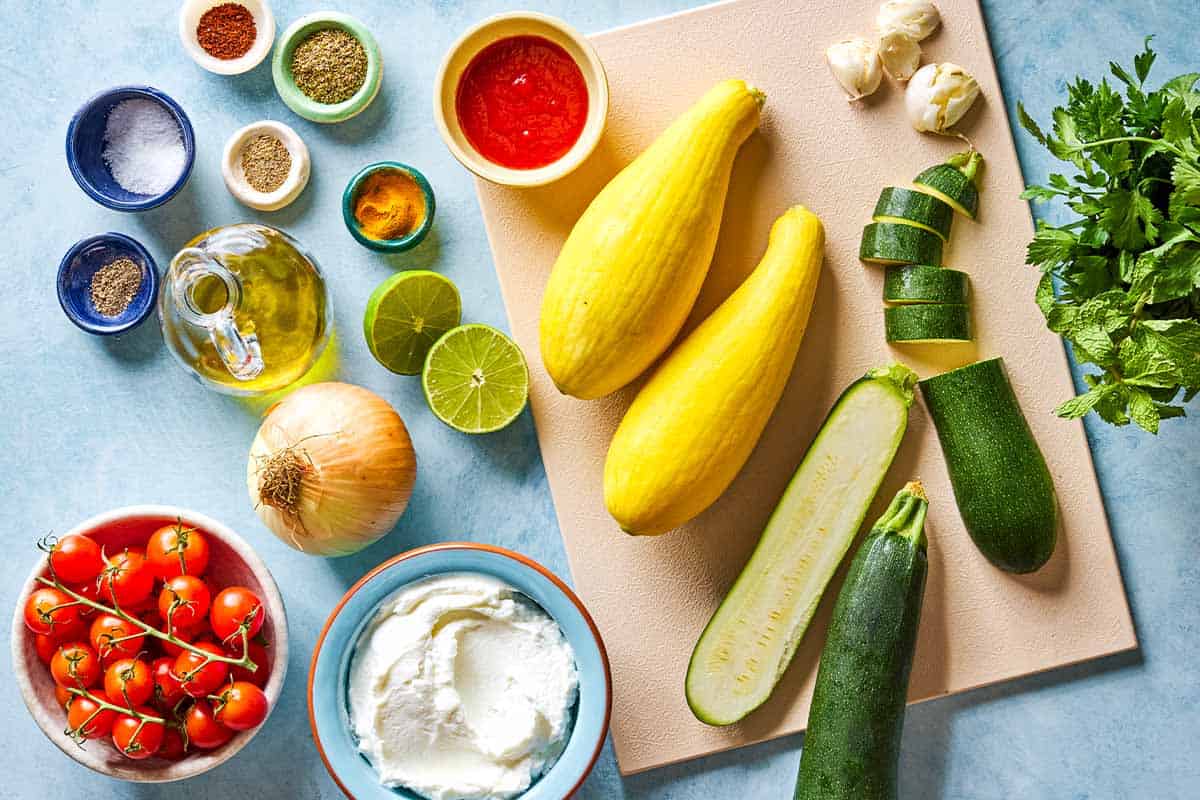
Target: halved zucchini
(910, 207)
(954, 182)
(924, 284)
(893, 243)
(928, 323)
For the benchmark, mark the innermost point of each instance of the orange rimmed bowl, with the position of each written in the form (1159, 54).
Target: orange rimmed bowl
(328, 675)
(232, 562)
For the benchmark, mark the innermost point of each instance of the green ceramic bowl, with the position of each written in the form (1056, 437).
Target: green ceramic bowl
(298, 101)
(387, 245)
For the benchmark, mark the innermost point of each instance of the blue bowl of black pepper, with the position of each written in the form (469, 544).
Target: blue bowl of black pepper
(107, 284)
(130, 148)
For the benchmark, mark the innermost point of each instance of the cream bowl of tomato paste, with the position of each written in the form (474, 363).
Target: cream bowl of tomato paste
(521, 99)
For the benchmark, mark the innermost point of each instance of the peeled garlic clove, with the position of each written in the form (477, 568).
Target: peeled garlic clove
(938, 96)
(900, 54)
(916, 18)
(855, 64)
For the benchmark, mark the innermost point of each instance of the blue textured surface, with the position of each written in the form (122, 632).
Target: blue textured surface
(96, 423)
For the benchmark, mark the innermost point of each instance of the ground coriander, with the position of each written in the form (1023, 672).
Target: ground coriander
(329, 66)
(266, 163)
(115, 285)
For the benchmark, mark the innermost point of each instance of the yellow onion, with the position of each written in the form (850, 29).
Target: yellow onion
(331, 468)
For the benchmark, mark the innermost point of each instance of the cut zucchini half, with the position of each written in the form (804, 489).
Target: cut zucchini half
(931, 323)
(893, 243)
(954, 182)
(924, 284)
(910, 207)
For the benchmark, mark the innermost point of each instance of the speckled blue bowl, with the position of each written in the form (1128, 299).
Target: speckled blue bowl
(75, 273)
(85, 145)
(329, 674)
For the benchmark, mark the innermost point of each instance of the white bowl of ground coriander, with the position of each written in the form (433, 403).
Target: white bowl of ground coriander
(226, 37)
(265, 165)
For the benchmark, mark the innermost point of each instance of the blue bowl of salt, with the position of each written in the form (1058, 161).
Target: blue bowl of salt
(130, 148)
(80, 265)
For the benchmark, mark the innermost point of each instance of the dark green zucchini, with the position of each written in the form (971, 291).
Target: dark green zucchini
(892, 243)
(910, 207)
(1003, 488)
(954, 182)
(927, 323)
(904, 285)
(852, 747)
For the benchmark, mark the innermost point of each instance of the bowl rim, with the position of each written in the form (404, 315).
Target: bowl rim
(272, 599)
(573, 158)
(149, 273)
(302, 104)
(445, 547)
(263, 41)
(186, 134)
(388, 245)
(293, 185)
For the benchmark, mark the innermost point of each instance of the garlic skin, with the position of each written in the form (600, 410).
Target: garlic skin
(938, 96)
(855, 64)
(915, 18)
(900, 54)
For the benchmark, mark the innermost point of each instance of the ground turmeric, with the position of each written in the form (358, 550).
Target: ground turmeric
(389, 205)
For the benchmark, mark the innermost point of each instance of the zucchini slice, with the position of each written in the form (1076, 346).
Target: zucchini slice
(910, 207)
(954, 182)
(892, 243)
(928, 323)
(751, 638)
(924, 284)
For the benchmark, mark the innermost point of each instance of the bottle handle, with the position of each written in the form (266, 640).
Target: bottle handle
(239, 351)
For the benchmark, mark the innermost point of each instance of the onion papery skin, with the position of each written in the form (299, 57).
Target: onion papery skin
(358, 467)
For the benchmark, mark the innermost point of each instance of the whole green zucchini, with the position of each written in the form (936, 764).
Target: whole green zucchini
(852, 747)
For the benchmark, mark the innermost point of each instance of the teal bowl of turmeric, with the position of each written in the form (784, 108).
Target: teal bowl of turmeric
(327, 67)
(388, 207)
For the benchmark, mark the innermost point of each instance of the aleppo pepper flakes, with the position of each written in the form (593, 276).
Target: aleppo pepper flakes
(227, 31)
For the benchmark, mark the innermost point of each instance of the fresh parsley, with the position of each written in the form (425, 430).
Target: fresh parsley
(1122, 282)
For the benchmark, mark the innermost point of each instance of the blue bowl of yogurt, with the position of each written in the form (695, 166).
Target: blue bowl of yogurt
(484, 651)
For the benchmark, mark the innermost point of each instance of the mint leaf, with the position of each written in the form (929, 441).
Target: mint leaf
(1143, 410)
(1045, 293)
(1178, 341)
(1080, 405)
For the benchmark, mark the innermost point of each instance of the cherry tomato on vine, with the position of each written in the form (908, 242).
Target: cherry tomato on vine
(46, 647)
(85, 716)
(90, 590)
(168, 691)
(243, 706)
(129, 679)
(76, 666)
(137, 739)
(49, 610)
(177, 550)
(184, 601)
(76, 559)
(63, 696)
(188, 635)
(173, 747)
(108, 636)
(126, 579)
(203, 730)
(199, 680)
(231, 609)
(258, 654)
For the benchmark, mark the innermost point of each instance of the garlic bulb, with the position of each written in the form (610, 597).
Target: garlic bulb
(938, 96)
(855, 64)
(900, 54)
(915, 18)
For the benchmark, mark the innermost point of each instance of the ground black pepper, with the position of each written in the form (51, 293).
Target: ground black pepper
(115, 285)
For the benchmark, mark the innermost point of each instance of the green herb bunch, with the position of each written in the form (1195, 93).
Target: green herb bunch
(1128, 271)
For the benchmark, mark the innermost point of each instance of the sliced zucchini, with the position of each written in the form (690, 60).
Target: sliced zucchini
(910, 207)
(892, 243)
(924, 284)
(928, 323)
(954, 182)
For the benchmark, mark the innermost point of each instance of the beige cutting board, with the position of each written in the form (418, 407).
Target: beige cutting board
(652, 596)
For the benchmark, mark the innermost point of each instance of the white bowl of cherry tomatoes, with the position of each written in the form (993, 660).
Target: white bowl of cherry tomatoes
(150, 643)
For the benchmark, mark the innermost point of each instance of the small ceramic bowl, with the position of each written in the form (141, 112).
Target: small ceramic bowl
(232, 563)
(235, 177)
(504, 26)
(85, 149)
(82, 261)
(387, 245)
(329, 674)
(264, 23)
(298, 101)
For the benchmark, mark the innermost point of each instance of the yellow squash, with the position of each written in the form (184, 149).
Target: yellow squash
(630, 270)
(693, 425)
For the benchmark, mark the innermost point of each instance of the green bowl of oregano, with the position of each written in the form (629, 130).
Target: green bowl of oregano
(327, 67)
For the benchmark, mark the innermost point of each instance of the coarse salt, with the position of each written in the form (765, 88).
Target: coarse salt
(143, 146)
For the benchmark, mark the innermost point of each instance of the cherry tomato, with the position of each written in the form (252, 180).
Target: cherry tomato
(87, 717)
(126, 579)
(90, 590)
(203, 730)
(198, 680)
(73, 631)
(168, 691)
(177, 550)
(173, 747)
(184, 601)
(258, 654)
(63, 695)
(49, 609)
(76, 666)
(186, 635)
(76, 559)
(131, 679)
(46, 647)
(107, 629)
(234, 608)
(136, 739)
(243, 706)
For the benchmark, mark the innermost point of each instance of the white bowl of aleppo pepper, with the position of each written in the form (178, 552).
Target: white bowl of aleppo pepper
(265, 165)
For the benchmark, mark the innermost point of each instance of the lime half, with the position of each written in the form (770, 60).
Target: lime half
(406, 314)
(475, 379)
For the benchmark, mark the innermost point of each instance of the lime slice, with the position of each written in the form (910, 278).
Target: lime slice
(406, 314)
(475, 379)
